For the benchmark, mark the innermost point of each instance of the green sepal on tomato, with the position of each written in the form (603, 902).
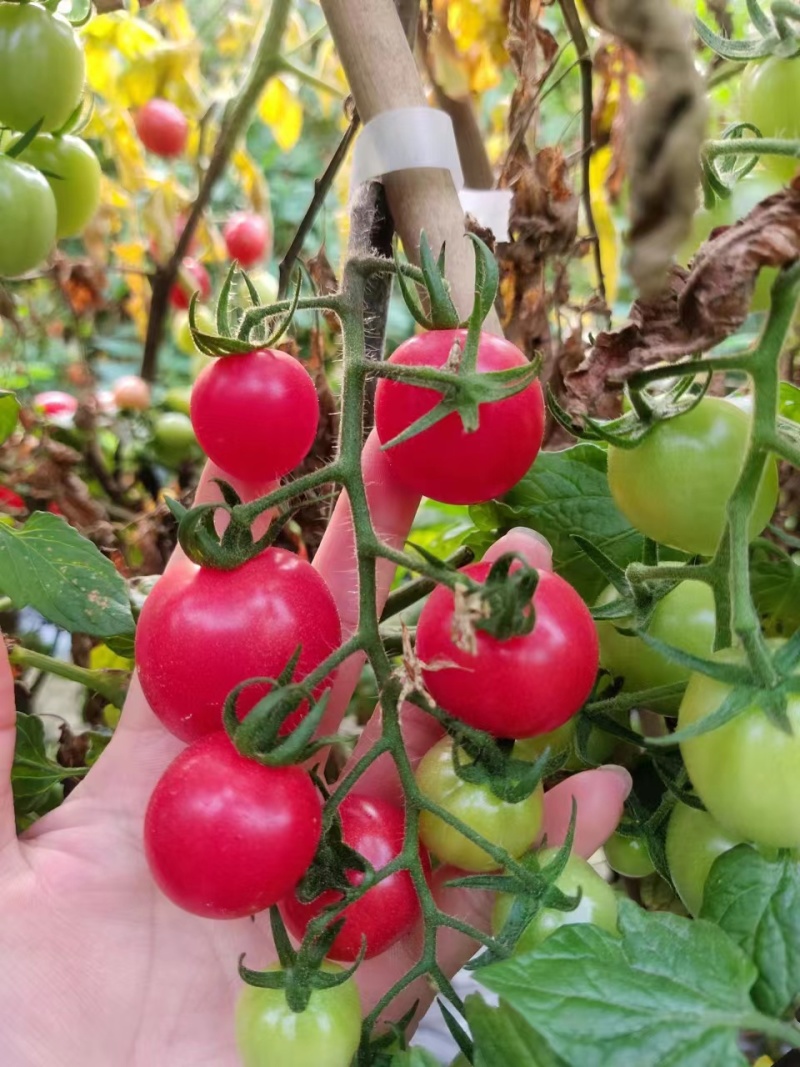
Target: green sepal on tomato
(327, 1033)
(694, 840)
(674, 485)
(747, 772)
(28, 211)
(446, 462)
(684, 618)
(597, 904)
(389, 910)
(518, 687)
(513, 827)
(227, 837)
(42, 68)
(73, 173)
(203, 631)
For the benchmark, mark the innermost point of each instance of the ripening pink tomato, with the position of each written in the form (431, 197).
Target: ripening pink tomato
(131, 393)
(226, 836)
(255, 415)
(203, 631)
(390, 910)
(162, 128)
(180, 295)
(54, 403)
(520, 687)
(445, 462)
(247, 238)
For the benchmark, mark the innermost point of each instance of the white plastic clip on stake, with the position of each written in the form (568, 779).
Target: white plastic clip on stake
(411, 138)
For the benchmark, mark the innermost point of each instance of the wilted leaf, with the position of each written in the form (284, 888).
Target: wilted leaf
(281, 110)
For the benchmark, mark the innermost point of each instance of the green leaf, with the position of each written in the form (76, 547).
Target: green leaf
(49, 566)
(502, 1037)
(9, 411)
(756, 901)
(671, 992)
(567, 493)
(789, 401)
(33, 773)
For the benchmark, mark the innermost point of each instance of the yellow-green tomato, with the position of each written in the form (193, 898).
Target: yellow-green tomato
(685, 618)
(178, 399)
(266, 285)
(628, 856)
(73, 173)
(182, 334)
(694, 840)
(674, 485)
(27, 217)
(747, 772)
(173, 438)
(512, 827)
(599, 747)
(768, 94)
(270, 1034)
(597, 905)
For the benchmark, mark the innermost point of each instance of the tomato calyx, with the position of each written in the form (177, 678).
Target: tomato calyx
(262, 735)
(508, 598)
(250, 335)
(490, 762)
(301, 972)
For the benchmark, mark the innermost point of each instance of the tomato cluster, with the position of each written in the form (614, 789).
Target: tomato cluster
(49, 187)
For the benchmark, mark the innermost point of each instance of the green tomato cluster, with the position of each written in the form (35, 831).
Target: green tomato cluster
(51, 188)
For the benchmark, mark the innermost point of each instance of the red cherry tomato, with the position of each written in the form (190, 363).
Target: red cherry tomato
(247, 238)
(131, 393)
(389, 910)
(202, 631)
(11, 500)
(445, 462)
(55, 403)
(180, 294)
(255, 415)
(517, 688)
(225, 836)
(162, 128)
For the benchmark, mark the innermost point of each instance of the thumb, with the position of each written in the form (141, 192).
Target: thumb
(8, 734)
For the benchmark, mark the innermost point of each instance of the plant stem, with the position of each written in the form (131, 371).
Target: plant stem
(266, 63)
(111, 685)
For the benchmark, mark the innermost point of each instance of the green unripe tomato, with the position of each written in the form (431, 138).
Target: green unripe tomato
(178, 399)
(173, 438)
(266, 285)
(694, 840)
(598, 904)
(77, 186)
(328, 1031)
(768, 93)
(600, 744)
(42, 68)
(747, 772)
(685, 618)
(28, 213)
(628, 856)
(674, 485)
(513, 827)
(182, 334)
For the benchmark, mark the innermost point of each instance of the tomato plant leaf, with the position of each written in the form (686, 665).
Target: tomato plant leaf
(669, 991)
(775, 585)
(756, 901)
(502, 1037)
(33, 773)
(49, 566)
(9, 411)
(567, 493)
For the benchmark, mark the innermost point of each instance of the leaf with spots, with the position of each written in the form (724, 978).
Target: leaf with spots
(49, 566)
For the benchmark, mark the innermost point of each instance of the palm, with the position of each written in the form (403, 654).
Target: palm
(123, 975)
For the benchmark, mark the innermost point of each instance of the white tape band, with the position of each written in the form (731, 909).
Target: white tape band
(413, 138)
